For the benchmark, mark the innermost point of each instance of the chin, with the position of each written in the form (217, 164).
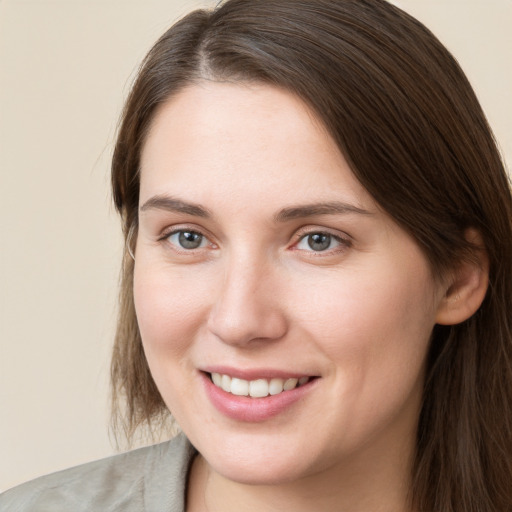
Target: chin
(260, 460)
(271, 472)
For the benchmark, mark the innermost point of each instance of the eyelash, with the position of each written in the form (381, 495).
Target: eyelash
(301, 236)
(182, 230)
(343, 243)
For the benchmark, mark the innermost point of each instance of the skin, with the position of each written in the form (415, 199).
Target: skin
(254, 294)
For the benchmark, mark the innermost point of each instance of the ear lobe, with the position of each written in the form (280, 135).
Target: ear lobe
(466, 289)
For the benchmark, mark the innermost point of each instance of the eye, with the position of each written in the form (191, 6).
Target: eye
(186, 239)
(319, 242)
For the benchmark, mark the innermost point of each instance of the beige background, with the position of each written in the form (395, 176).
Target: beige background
(65, 67)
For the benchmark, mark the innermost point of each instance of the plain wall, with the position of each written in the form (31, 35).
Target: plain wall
(65, 68)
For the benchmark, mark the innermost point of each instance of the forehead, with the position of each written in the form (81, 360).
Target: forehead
(243, 139)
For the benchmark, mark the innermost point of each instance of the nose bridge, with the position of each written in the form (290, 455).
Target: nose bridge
(245, 307)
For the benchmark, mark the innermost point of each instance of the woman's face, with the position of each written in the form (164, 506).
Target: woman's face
(261, 260)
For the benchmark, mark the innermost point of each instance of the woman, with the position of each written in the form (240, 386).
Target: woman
(317, 275)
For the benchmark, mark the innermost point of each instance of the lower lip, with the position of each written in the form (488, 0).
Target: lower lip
(254, 410)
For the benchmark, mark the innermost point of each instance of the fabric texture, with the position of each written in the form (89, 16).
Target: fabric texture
(151, 479)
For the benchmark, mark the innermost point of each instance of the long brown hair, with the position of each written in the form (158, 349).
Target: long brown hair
(405, 117)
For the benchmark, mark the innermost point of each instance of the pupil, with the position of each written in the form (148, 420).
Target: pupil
(190, 240)
(319, 241)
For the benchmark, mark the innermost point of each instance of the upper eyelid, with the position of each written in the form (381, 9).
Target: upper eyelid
(168, 231)
(310, 230)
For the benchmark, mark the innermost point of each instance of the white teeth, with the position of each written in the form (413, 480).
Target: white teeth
(290, 384)
(217, 379)
(239, 387)
(276, 386)
(225, 383)
(258, 388)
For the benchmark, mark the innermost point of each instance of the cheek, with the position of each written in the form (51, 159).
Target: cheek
(366, 310)
(170, 310)
(169, 307)
(375, 331)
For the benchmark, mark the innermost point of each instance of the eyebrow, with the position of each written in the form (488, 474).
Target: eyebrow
(172, 204)
(310, 210)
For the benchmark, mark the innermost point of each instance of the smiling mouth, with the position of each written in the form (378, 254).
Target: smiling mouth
(258, 388)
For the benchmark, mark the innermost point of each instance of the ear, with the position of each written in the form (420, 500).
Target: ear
(466, 286)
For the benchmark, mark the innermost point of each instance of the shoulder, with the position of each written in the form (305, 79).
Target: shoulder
(148, 479)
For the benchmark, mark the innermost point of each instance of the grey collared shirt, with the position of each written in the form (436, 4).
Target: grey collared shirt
(151, 479)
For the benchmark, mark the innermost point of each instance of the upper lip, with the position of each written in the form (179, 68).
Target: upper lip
(255, 373)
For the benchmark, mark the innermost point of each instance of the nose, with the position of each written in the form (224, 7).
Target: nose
(246, 308)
